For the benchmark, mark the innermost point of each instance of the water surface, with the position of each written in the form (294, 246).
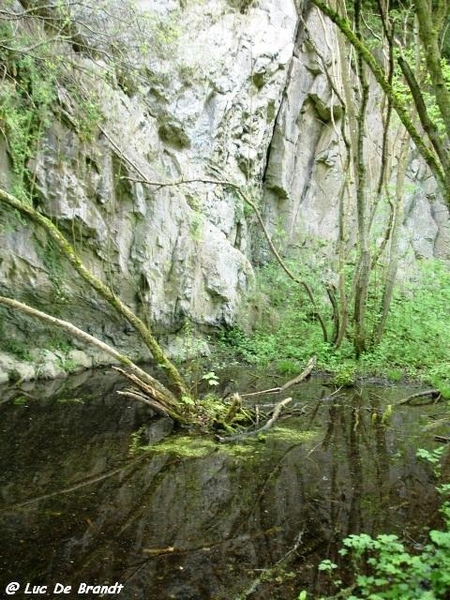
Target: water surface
(195, 519)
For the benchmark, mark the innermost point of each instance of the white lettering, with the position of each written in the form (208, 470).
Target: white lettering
(84, 588)
(35, 589)
(60, 588)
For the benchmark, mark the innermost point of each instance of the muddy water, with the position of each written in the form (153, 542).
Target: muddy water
(190, 519)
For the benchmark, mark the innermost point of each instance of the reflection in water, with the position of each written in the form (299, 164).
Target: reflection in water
(76, 507)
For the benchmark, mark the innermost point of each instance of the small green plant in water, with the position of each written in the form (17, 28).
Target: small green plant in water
(433, 457)
(384, 569)
(211, 379)
(345, 374)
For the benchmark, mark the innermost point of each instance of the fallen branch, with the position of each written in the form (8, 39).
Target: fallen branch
(303, 375)
(275, 390)
(265, 427)
(433, 394)
(136, 395)
(236, 406)
(76, 486)
(441, 438)
(103, 290)
(148, 389)
(271, 573)
(159, 392)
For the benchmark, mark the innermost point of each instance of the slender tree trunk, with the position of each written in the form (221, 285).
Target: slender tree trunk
(429, 24)
(398, 103)
(391, 272)
(69, 253)
(155, 390)
(363, 263)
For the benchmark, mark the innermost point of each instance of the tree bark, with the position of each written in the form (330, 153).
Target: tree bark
(154, 388)
(69, 253)
(399, 105)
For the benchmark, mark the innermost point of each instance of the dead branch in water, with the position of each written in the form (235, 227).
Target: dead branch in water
(432, 394)
(303, 375)
(265, 427)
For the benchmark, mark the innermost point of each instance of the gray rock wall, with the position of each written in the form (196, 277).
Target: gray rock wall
(216, 89)
(306, 166)
(200, 105)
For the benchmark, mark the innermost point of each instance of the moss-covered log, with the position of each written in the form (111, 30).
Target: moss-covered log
(161, 397)
(104, 291)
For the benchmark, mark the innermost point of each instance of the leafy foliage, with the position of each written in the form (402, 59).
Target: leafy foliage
(416, 340)
(26, 101)
(418, 328)
(386, 570)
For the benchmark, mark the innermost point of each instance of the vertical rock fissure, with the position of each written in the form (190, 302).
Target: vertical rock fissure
(299, 34)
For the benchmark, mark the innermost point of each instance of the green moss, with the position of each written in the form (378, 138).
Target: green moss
(18, 348)
(250, 448)
(184, 446)
(291, 434)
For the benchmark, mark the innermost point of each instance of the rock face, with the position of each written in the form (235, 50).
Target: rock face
(222, 90)
(306, 166)
(200, 106)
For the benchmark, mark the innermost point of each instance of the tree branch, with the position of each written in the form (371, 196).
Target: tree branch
(398, 104)
(105, 292)
(159, 392)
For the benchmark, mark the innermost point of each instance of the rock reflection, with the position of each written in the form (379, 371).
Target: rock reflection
(76, 507)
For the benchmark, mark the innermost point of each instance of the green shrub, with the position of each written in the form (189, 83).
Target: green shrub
(385, 569)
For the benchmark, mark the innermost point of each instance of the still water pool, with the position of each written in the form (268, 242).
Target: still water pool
(190, 519)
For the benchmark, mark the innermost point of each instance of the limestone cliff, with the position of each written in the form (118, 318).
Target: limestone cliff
(220, 90)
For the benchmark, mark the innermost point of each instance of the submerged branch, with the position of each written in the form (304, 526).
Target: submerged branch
(68, 490)
(276, 413)
(270, 573)
(432, 394)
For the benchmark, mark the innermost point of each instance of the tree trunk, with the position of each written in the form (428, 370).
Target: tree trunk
(156, 390)
(399, 104)
(69, 253)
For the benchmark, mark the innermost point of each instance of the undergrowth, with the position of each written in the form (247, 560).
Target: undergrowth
(415, 343)
(385, 568)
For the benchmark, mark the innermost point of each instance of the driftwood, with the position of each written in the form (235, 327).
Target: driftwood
(303, 375)
(140, 397)
(96, 284)
(235, 408)
(433, 394)
(158, 391)
(149, 389)
(442, 438)
(265, 427)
